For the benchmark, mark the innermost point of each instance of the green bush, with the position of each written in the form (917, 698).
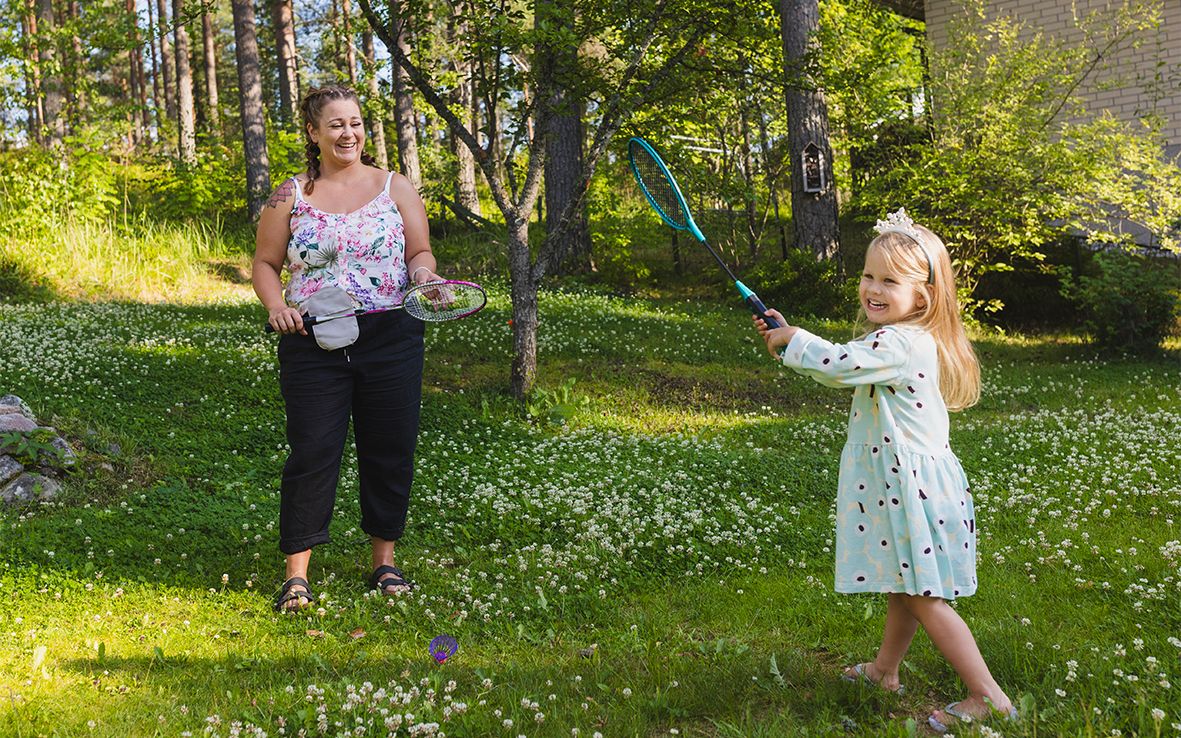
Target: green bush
(801, 285)
(42, 187)
(1129, 304)
(169, 192)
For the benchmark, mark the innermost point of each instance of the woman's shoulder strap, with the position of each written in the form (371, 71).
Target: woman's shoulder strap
(389, 180)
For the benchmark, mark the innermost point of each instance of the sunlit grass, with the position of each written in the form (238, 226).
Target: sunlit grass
(150, 262)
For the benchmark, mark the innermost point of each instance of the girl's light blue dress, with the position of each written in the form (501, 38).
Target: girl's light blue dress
(904, 510)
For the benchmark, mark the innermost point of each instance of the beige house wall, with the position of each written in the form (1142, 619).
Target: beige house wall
(1133, 85)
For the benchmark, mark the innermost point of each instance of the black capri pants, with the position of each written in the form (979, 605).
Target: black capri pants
(378, 381)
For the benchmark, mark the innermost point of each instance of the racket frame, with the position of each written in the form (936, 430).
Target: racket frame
(748, 295)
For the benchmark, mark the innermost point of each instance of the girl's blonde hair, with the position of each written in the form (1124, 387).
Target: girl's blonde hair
(959, 371)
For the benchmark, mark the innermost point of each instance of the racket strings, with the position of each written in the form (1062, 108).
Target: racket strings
(438, 302)
(656, 184)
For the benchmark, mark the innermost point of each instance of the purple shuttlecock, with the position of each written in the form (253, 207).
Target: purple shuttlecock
(443, 647)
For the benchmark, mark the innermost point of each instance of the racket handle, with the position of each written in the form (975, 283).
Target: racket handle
(758, 308)
(307, 320)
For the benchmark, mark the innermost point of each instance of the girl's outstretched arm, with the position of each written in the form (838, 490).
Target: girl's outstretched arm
(879, 357)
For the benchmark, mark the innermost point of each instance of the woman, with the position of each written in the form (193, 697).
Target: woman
(352, 236)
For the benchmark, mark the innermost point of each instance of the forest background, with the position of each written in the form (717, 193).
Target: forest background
(123, 123)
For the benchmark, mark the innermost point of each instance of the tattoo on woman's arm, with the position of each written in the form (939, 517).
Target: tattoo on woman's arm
(281, 193)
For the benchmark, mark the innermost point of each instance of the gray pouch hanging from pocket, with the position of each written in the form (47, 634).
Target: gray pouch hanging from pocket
(330, 302)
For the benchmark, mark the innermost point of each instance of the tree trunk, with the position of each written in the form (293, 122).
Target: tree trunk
(563, 170)
(376, 124)
(404, 111)
(33, 75)
(145, 112)
(135, 82)
(254, 132)
(74, 65)
(748, 182)
(525, 315)
(350, 51)
(51, 79)
(563, 148)
(186, 120)
(814, 214)
(166, 60)
(283, 20)
(157, 101)
(464, 99)
(212, 115)
(466, 193)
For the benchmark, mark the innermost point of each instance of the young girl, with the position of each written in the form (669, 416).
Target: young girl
(905, 524)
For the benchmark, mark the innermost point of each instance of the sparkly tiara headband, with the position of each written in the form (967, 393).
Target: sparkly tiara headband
(900, 222)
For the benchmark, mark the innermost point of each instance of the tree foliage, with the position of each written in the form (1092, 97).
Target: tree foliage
(1006, 166)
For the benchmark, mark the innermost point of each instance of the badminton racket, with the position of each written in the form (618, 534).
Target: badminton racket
(433, 302)
(663, 194)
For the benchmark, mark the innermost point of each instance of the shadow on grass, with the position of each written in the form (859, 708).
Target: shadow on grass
(20, 284)
(229, 271)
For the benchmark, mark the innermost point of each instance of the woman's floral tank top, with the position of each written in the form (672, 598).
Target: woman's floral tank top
(362, 252)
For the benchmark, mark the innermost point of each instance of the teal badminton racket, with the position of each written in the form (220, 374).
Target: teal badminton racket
(663, 194)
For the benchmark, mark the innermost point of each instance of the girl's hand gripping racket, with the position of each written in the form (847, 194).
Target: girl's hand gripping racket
(658, 185)
(433, 302)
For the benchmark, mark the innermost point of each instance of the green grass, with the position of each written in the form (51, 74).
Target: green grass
(144, 261)
(651, 553)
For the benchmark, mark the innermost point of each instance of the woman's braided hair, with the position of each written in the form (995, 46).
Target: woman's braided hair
(311, 107)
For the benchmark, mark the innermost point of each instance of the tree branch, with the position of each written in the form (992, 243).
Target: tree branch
(424, 85)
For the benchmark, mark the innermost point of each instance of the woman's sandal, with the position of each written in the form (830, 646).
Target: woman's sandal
(862, 677)
(384, 577)
(286, 595)
(962, 717)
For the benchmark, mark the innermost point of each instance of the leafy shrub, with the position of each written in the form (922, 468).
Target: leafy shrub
(1129, 304)
(1030, 293)
(1004, 171)
(35, 448)
(41, 187)
(801, 285)
(616, 257)
(557, 406)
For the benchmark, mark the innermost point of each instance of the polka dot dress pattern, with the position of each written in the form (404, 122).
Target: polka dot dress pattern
(905, 521)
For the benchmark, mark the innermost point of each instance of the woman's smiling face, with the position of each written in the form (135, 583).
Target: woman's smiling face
(886, 296)
(340, 133)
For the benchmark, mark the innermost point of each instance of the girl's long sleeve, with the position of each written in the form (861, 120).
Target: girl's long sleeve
(878, 358)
